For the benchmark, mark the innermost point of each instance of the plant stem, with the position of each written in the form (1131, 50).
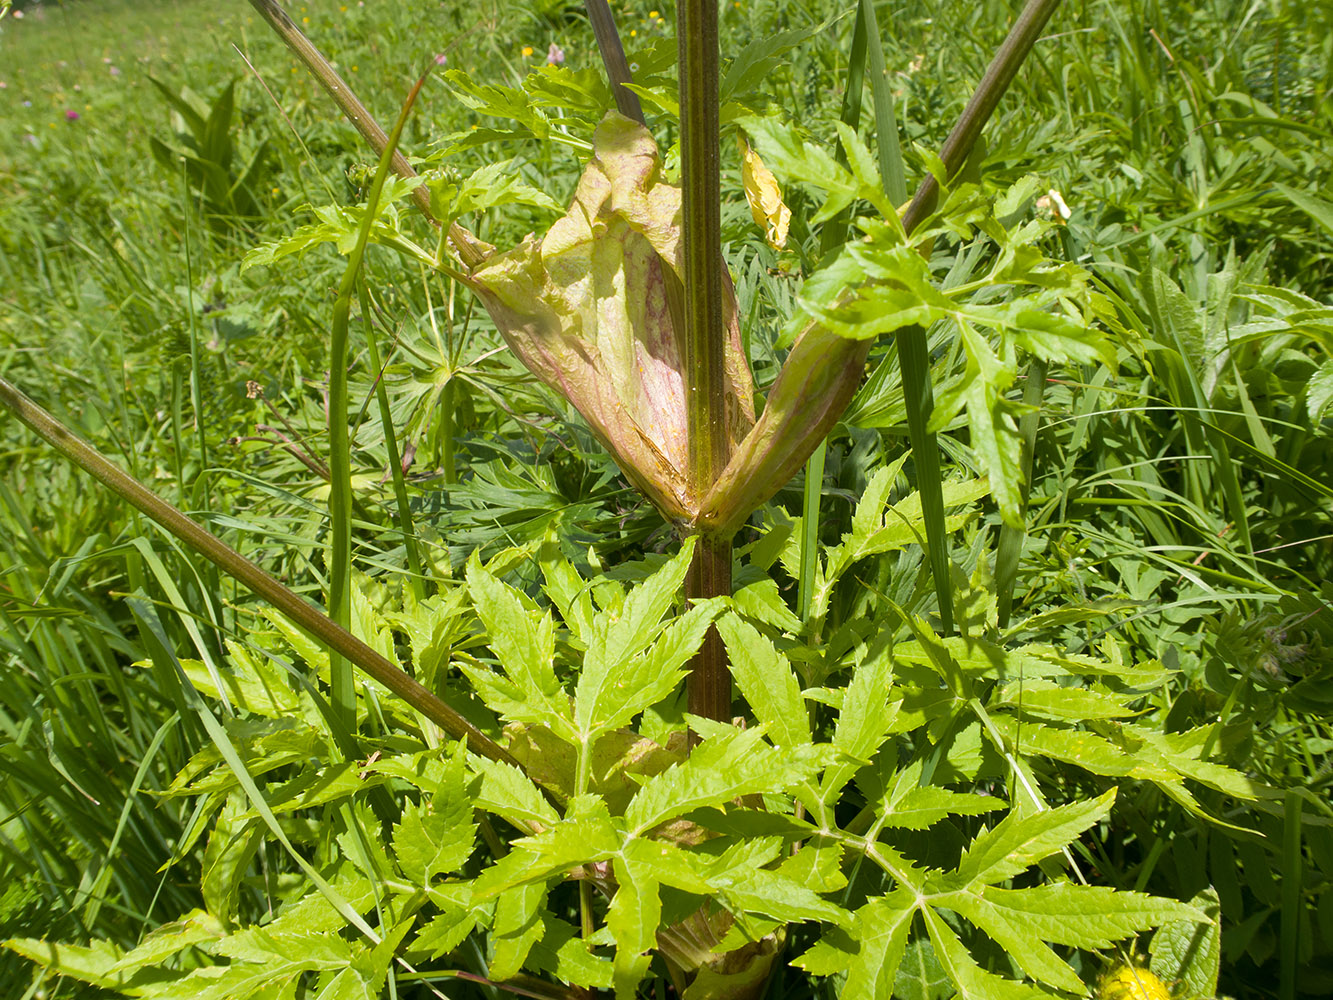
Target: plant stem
(309, 620)
(999, 74)
(709, 687)
(417, 581)
(358, 115)
(704, 343)
(613, 58)
(341, 679)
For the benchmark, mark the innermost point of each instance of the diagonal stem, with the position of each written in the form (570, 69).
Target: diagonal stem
(360, 117)
(309, 620)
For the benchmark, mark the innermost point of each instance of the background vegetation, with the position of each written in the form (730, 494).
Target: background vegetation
(1179, 507)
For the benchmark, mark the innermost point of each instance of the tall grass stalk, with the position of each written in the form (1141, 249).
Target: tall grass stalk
(340, 463)
(402, 506)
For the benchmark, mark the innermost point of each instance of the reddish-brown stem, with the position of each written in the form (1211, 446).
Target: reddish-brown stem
(709, 685)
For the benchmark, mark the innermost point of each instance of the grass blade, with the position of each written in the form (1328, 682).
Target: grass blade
(318, 626)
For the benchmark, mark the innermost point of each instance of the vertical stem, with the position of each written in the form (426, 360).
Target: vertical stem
(417, 579)
(705, 373)
(709, 686)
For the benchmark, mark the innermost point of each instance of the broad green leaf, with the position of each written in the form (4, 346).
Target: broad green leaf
(1073, 746)
(517, 927)
(973, 982)
(920, 974)
(435, 835)
(766, 680)
(1319, 392)
(924, 806)
(524, 641)
(772, 894)
(92, 964)
(1188, 949)
(817, 865)
(255, 685)
(870, 951)
(507, 791)
(563, 953)
(499, 101)
(1076, 915)
(1020, 921)
(759, 600)
(198, 927)
(567, 590)
(1018, 843)
(1180, 751)
(721, 768)
(456, 920)
(1318, 209)
(569, 844)
(494, 184)
(614, 684)
(753, 63)
(864, 722)
(621, 759)
(231, 847)
(633, 918)
(1044, 698)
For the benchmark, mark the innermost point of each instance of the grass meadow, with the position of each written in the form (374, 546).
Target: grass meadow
(1152, 599)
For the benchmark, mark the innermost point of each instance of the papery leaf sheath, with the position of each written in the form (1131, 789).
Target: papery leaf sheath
(585, 308)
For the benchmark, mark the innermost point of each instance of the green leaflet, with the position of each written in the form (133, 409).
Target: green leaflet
(973, 982)
(524, 641)
(633, 918)
(1188, 949)
(517, 927)
(721, 768)
(1020, 921)
(507, 791)
(870, 952)
(563, 953)
(864, 722)
(617, 681)
(1018, 843)
(569, 844)
(878, 527)
(341, 227)
(435, 836)
(766, 680)
(486, 187)
(924, 806)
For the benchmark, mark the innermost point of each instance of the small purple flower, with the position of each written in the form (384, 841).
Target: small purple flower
(441, 59)
(114, 71)
(71, 115)
(30, 139)
(27, 104)
(555, 55)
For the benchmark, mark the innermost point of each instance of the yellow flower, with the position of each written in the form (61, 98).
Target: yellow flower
(527, 51)
(653, 15)
(633, 33)
(1129, 982)
(305, 20)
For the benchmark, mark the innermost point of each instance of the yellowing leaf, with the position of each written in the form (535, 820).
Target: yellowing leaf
(764, 196)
